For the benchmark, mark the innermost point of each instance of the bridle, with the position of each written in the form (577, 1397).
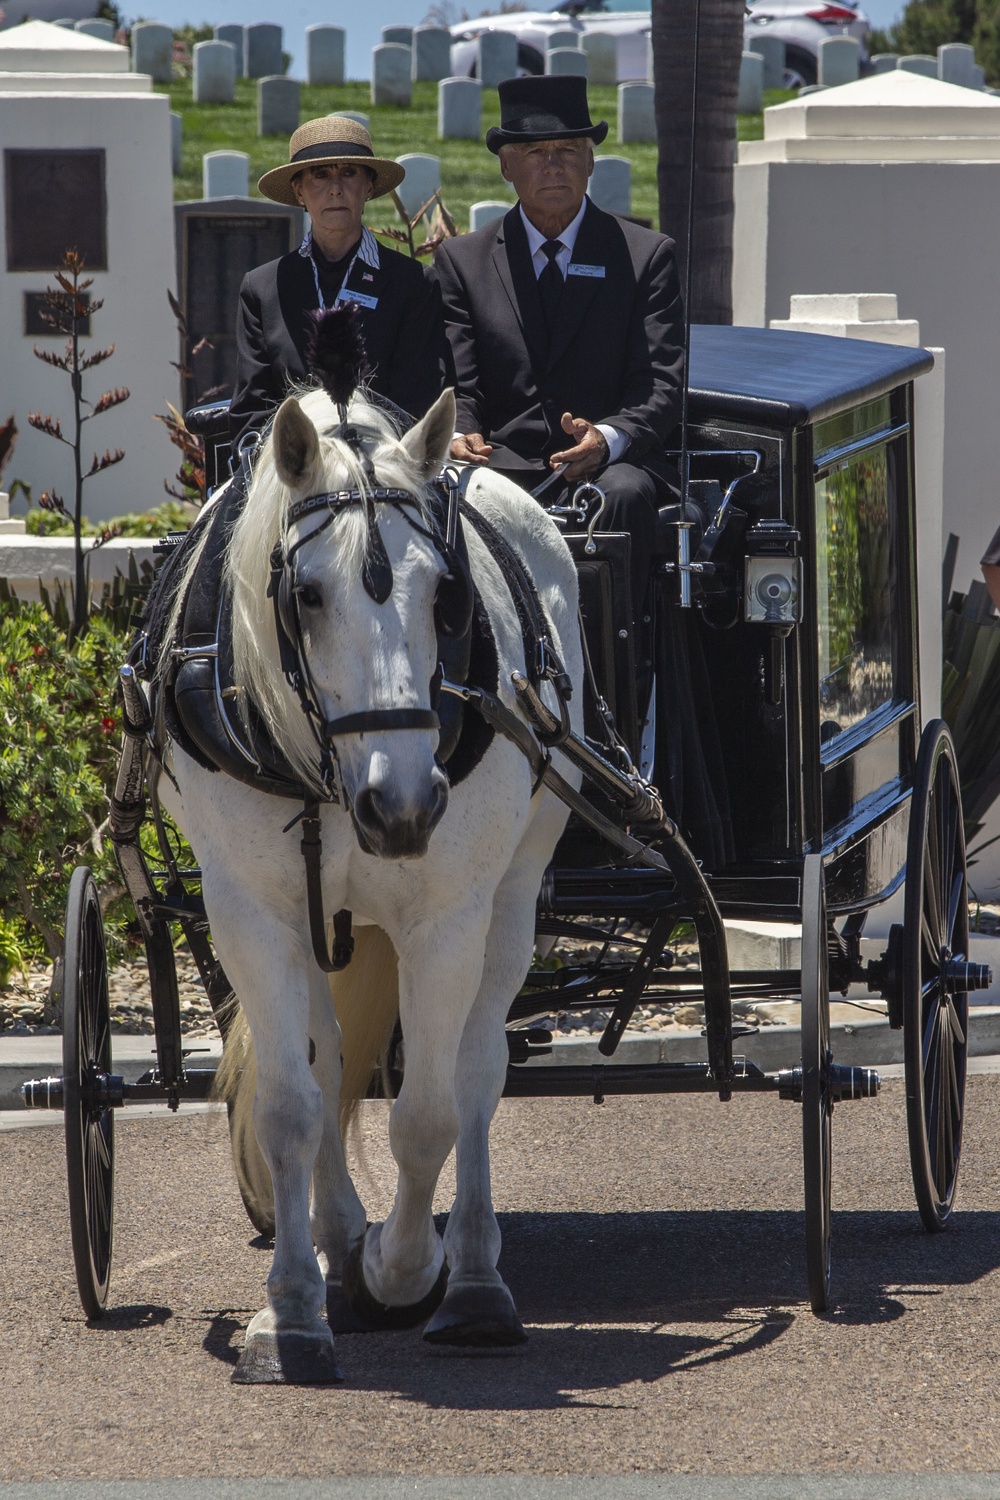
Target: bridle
(452, 609)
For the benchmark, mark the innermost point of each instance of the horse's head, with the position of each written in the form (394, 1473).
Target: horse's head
(362, 569)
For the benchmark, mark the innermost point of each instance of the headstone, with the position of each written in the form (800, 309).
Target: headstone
(957, 64)
(611, 184)
(402, 35)
(214, 72)
(233, 34)
(225, 174)
(839, 60)
(650, 66)
(772, 50)
(422, 180)
(636, 117)
(277, 106)
(176, 142)
(103, 30)
(919, 63)
(460, 109)
(431, 60)
(751, 95)
(391, 83)
(486, 212)
(497, 57)
(601, 48)
(217, 243)
(153, 50)
(565, 38)
(262, 50)
(565, 60)
(812, 88)
(884, 62)
(978, 78)
(353, 114)
(325, 56)
(68, 23)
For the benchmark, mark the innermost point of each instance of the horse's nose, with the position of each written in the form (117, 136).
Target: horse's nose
(397, 828)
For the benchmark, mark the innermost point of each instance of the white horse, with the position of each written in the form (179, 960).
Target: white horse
(448, 877)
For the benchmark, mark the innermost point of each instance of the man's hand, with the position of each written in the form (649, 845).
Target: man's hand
(469, 448)
(589, 454)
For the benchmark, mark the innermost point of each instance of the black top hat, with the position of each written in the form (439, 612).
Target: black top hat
(544, 109)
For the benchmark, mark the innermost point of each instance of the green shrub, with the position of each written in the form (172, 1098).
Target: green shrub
(172, 515)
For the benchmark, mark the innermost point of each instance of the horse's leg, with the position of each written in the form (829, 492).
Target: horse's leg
(478, 1309)
(287, 1342)
(397, 1276)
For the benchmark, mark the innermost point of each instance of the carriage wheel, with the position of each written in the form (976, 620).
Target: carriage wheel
(817, 1102)
(90, 1128)
(935, 948)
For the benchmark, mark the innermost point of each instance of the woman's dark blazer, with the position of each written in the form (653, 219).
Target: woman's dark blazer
(404, 335)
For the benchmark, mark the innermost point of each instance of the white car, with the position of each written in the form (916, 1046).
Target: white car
(801, 25)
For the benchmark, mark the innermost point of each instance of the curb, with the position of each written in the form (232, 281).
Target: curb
(864, 1043)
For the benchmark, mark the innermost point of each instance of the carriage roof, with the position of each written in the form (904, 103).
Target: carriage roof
(774, 378)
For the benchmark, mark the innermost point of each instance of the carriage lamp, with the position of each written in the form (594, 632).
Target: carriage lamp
(772, 586)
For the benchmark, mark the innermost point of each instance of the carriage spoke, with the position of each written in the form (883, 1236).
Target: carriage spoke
(955, 907)
(933, 995)
(932, 906)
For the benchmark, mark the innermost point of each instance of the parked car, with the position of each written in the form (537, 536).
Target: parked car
(801, 25)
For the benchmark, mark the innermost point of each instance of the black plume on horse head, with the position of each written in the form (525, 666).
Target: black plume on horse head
(336, 352)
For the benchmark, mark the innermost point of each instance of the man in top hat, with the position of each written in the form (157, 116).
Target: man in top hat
(566, 324)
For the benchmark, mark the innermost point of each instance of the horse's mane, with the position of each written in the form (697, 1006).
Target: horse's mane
(256, 666)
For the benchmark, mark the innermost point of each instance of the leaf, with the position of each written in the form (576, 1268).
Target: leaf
(60, 361)
(106, 461)
(399, 235)
(87, 361)
(430, 245)
(50, 425)
(109, 400)
(8, 437)
(178, 313)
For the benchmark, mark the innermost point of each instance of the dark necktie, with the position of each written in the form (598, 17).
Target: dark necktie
(551, 283)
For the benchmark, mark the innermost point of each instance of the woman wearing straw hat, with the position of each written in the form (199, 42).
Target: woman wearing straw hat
(332, 172)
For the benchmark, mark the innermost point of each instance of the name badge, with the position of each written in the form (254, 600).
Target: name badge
(576, 268)
(362, 298)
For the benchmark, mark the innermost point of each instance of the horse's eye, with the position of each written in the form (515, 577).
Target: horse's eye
(309, 596)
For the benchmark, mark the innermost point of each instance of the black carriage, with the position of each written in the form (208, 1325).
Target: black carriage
(783, 622)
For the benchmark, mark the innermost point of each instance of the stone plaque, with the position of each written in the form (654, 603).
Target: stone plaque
(55, 201)
(218, 242)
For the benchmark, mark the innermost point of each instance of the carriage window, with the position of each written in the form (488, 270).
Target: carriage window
(856, 587)
(851, 426)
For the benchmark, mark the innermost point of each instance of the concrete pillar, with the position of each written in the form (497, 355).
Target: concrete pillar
(636, 117)
(751, 94)
(565, 38)
(176, 142)
(566, 60)
(152, 50)
(431, 60)
(601, 48)
(487, 211)
(233, 34)
(919, 63)
(460, 109)
(262, 50)
(839, 60)
(325, 56)
(225, 174)
(401, 35)
(422, 180)
(214, 73)
(611, 184)
(391, 83)
(885, 62)
(497, 57)
(772, 50)
(277, 106)
(957, 64)
(103, 30)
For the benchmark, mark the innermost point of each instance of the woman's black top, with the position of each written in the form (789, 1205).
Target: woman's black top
(401, 319)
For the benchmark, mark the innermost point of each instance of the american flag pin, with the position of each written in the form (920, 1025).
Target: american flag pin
(367, 277)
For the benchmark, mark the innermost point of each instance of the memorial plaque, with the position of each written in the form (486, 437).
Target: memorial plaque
(218, 242)
(55, 201)
(36, 310)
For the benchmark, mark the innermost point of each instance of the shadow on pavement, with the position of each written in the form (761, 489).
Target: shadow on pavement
(131, 1317)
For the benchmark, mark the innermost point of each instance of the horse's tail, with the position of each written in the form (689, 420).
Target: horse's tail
(366, 999)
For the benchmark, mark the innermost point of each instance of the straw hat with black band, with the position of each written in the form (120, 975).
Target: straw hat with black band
(333, 140)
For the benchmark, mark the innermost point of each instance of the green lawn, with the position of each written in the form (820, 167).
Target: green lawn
(468, 171)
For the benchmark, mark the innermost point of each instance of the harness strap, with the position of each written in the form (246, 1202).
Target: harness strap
(373, 720)
(312, 853)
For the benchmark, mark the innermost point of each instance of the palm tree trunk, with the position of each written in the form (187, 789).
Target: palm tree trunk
(719, 50)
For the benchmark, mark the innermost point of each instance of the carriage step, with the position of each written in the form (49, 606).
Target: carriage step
(845, 1082)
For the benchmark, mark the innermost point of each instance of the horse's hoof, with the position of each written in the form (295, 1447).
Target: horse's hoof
(287, 1359)
(374, 1316)
(476, 1317)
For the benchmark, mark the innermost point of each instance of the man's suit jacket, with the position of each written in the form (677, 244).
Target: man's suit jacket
(404, 335)
(616, 355)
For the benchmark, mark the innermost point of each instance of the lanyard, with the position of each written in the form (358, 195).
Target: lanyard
(343, 294)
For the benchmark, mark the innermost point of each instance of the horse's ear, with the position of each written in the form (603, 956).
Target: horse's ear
(428, 443)
(295, 445)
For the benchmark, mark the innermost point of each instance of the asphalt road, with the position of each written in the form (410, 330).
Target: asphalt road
(655, 1249)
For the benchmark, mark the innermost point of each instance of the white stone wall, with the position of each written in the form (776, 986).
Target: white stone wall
(134, 131)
